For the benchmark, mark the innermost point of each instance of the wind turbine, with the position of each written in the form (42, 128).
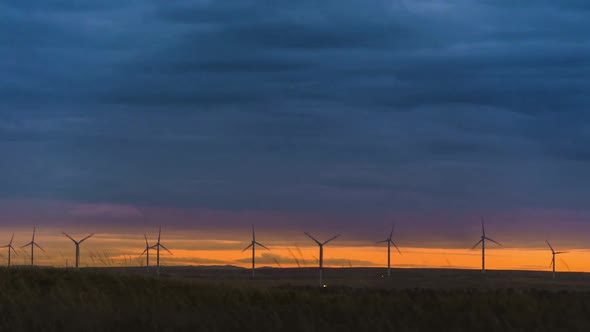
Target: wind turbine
(553, 252)
(159, 245)
(10, 249)
(483, 246)
(147, 253)
(77, 243)
(321, 245)
(389, 243)
(33, 244)
(253, 245)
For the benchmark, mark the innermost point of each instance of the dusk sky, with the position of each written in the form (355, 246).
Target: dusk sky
(322, 116)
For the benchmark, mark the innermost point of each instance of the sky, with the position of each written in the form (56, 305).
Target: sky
(330, 117)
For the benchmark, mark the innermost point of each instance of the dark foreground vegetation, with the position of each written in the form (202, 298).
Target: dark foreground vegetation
(66, 300)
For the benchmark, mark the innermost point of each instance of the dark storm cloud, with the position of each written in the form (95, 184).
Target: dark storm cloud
(339, 106)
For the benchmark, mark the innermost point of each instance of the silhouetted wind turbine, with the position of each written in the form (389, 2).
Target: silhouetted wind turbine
(253, 245)
(77, 243)
(483, 246)
(389, 243)
(147, 253)
(33, 244)
(321, 245)
(553, 252)
(10, 249)
(159, 245)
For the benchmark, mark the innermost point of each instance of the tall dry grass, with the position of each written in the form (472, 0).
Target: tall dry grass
(69, 300)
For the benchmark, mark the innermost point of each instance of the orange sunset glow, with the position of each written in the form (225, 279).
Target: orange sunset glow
(124, 250)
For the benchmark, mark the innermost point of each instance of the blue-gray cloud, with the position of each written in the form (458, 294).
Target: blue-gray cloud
(341, 106)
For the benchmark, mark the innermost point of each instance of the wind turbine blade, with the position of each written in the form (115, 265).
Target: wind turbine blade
(561, 252)
(66, 234)
(34, 228)
(86, 238)
(551, 264)
(13, 250)
(11, 239)
(248, 247)
(38, 246)
(146, 241)
(332, 238)
(478, 242)
(565, 263)
(498, 243)
(253, 234)
(549, 244)
(396, 247)
(483, 229)
(262, 245)
(311, 237)
(6, 246)
(144, 251)
(159, 233)
(170, 252)
(391, 233)
(386, 240)
(28, 244)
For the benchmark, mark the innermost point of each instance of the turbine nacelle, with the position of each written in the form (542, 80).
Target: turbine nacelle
(321, 244)
(147, 246)
(78, 242)
(254, 242)
(159, 244)
(553, 253)
(390, 240)
(9, 245)
(484, 237)
(33, 243)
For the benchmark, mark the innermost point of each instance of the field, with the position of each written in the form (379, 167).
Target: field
(224, 299)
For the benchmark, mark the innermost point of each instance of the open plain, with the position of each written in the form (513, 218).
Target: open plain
(225, 299)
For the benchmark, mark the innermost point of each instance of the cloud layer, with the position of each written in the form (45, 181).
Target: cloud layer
(338, 108)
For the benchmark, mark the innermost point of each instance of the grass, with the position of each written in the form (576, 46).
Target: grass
(91, 300)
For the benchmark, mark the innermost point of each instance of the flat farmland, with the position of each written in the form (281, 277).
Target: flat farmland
(372, 278)
(226, 299)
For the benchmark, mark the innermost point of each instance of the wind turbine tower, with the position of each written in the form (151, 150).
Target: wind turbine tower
(77, 243)
(10, 249)
(553, 252)
(389, 243)
(159, 245)
(321, 245)
(33, 244)
(253, 245)
(483, 246)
